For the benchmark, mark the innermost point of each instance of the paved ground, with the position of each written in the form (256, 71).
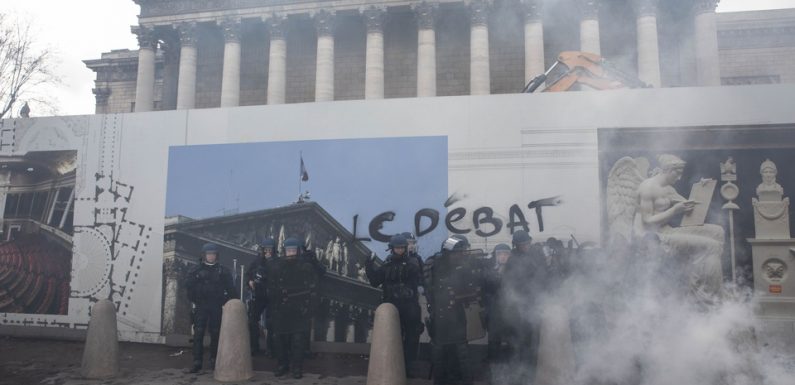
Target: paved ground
(32, 361)
(38, 361)
(178, 377)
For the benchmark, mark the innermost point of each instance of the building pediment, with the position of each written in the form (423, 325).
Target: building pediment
(332, 242)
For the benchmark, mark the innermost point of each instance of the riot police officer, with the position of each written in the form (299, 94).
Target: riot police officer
(209, 286)
(292, 282)
(257, 283)
(400, 277)
(499, 330)
(455, 281)
(412, 252)
(524, 278)
(412, 249)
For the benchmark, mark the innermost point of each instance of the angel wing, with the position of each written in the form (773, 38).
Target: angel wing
(622, 197)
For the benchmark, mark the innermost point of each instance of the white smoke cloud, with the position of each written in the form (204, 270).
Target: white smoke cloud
(633, 322)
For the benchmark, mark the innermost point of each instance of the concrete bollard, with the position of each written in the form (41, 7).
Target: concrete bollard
(233, 362)
(555, 351)
(386, 365)
(101, 351)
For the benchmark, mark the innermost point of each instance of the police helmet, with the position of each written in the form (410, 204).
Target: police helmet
(409, 236)
(267, 243)
(456, 243)
(554, 242)
(520, 237)
(501, 247)
(291, 243)
(398, 240)
(210, 248)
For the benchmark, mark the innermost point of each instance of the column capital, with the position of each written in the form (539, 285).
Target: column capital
(187, 33)
(426, 14)
(705, 6)
(277, 26)
(645, 7)
(231, 28)
(324, 22)
(479, 11)
(589, 9)
(374, 17)
(146, 36)
(102, 95)
(532, 9)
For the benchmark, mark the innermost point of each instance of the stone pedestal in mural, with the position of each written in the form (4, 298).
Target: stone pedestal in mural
(773, 249)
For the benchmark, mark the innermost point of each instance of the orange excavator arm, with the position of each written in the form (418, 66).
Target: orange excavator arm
(583, 68)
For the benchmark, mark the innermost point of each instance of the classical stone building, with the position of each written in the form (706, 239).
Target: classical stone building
(345, 301)
(757, 47)
(211, 53)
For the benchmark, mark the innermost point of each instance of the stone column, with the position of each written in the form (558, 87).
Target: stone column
(479, 72)
(350, 332)
(277, 61)
(589, 26)
(706, 43)
(648, 47)
(69, 205)
(374, 59)
(426, 48)
(230, 80)
(186, 85)
(533, 40)
(331, 332)
(324, 72)
(145, 83)
(102, 94)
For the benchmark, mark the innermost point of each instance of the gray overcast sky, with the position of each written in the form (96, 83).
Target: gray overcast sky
(83, 29)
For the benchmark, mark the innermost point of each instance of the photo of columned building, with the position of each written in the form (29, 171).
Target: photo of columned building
(224, 53)
(345, 302)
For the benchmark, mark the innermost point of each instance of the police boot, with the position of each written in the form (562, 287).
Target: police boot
(197, 366)
(297, 372)
(280, 371)
(212, 363)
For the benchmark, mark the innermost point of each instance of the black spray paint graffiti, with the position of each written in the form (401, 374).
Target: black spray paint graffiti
(484, 223)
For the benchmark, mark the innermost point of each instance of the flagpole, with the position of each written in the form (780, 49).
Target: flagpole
(300, 173)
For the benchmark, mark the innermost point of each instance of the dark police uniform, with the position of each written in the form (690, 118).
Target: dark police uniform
(499, 330)
(453, 282)
(208, 287)
(257, 273)
(292, 284)
(420, 327)
(525, 277)
(399, 277)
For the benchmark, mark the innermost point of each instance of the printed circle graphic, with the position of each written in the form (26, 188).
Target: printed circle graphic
(92, 262)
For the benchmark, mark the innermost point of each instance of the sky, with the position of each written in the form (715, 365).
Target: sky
(410, 174)
(84, 29)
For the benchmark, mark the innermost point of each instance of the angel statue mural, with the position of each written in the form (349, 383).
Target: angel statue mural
(639, 206)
